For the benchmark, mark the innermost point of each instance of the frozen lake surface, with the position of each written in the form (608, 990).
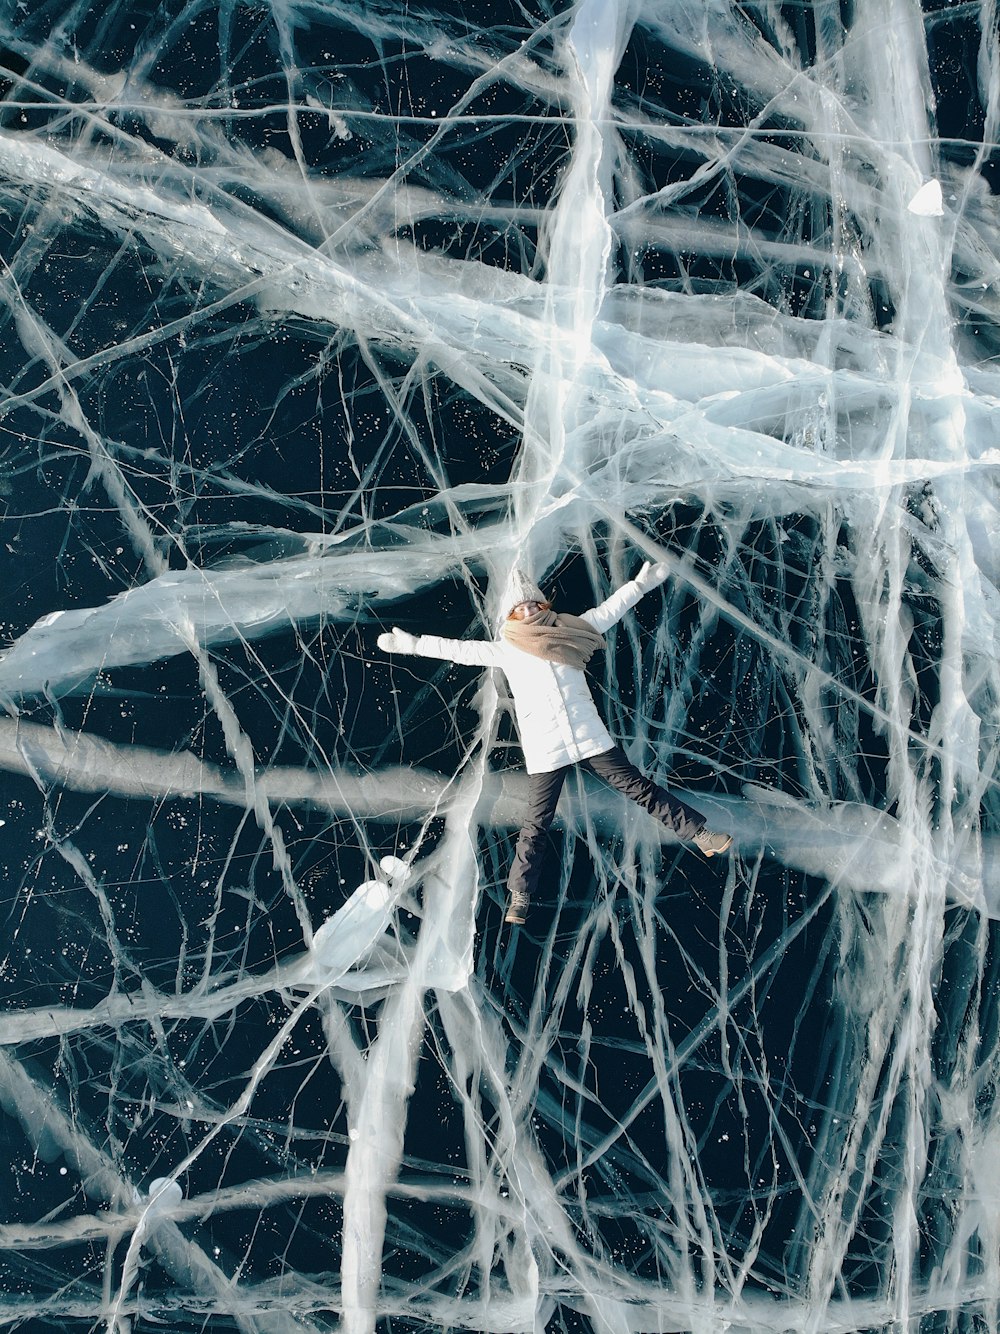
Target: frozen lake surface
(316, 318)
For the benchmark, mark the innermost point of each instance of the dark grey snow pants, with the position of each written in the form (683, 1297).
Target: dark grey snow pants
(614, 768)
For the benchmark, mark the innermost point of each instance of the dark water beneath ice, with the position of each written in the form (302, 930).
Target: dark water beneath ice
(314, 320)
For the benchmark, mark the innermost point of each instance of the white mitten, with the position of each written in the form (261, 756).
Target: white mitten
(397, 641)
(651, 576)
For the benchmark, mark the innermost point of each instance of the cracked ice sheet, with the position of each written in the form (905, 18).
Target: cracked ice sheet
(284, 290)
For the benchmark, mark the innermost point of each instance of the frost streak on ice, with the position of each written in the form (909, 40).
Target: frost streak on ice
(318, 318)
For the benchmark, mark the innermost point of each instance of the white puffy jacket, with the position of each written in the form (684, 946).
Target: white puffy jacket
(556, 715)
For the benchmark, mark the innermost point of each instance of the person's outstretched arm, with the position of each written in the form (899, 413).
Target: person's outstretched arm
(472, 652)
(624, 598)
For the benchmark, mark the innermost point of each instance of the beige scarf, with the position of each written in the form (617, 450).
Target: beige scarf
(555, 637)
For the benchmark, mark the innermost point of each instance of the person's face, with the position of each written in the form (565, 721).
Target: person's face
(523, 610)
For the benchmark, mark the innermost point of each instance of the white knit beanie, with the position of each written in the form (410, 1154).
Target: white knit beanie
(521, 589)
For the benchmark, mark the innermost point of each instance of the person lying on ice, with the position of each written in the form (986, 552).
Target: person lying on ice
(543, 653)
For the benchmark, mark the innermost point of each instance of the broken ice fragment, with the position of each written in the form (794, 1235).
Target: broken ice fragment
(164, 1195)
(395, 870)
(928, 202)
(349, 934)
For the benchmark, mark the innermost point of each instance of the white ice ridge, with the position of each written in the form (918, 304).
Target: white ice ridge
(64, 651)
(719, 407)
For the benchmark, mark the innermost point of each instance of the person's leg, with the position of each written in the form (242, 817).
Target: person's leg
(614, 767)
(543, 797)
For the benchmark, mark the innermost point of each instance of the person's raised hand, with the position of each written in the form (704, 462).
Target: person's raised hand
(651, 576)
(397, 641)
